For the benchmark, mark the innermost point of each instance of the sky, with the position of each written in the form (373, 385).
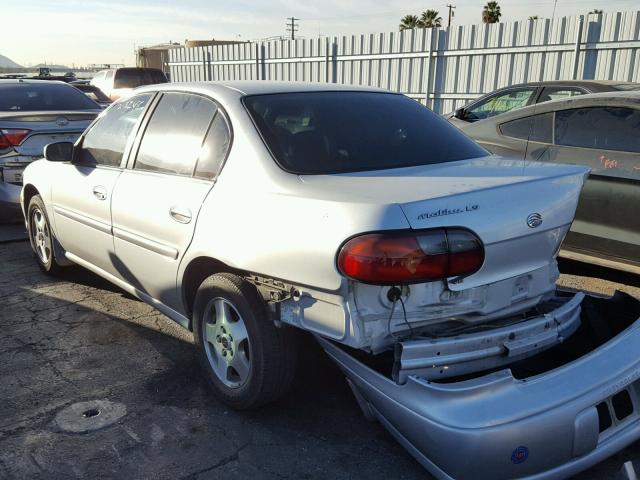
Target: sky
(82, 32)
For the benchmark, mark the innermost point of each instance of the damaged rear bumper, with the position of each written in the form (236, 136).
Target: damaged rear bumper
(549, 425)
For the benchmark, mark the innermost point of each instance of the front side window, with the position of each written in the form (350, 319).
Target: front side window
(173, 139)
(606, 128)
(607, 138)
(105, 142)
(340, 132)
(500, 103)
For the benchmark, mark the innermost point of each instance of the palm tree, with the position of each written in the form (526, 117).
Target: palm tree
(534, 17)
(410, 21)
(596, 11)
(491, 13)
(430, 19)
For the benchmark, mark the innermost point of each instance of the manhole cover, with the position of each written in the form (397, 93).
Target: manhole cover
(84, 417)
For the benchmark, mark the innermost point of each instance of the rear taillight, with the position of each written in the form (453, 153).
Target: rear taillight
(411, 256)
(12, 137)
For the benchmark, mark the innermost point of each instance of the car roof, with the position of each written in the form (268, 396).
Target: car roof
(606, 84)
(28, 81)
(258, 87)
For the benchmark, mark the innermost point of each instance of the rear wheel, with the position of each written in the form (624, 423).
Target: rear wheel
(247, 359)
(41, 236)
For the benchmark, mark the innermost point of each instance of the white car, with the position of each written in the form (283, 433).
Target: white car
(247, 211)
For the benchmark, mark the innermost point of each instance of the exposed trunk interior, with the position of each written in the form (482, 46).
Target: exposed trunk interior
(601, 319)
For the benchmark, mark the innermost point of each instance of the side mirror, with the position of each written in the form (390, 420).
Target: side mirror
(460, 114)
(59, 152)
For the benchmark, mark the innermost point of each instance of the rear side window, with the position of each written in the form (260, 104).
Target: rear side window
(136, 77)
(173, 139)
(105, 142)
(215, 148)
(556, 93)
(43, 96)
(604, 128)
(535, 128)
(340, 132)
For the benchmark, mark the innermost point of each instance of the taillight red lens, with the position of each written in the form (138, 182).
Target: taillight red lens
(12, 137)
(411, 256)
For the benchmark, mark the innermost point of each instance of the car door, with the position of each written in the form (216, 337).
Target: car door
(81, 190)
(605, 139)
(172, 168)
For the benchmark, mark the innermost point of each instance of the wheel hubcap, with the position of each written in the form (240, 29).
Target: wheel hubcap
(40, 235)
(226, 343)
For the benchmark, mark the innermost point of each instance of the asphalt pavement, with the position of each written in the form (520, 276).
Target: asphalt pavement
(96, 384)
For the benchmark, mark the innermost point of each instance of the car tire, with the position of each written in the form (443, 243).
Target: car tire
(41, 236)
(248, 361)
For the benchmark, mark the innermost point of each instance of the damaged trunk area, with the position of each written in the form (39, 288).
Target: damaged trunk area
(556, 332)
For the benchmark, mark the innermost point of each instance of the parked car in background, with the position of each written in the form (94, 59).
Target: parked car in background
(32, 114)
(600, 131)
(116, 82)
(94, 93)
(247, 210)
(524, 94)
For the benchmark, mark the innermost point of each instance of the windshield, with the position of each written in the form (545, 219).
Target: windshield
(43, 96)
(340, 132)
(136, 77)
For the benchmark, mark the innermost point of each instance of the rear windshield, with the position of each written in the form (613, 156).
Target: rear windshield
(136, 77)
(340, 132)
(43, 96)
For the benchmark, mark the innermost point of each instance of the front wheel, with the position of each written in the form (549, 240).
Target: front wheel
(248, 360)
(41, 236)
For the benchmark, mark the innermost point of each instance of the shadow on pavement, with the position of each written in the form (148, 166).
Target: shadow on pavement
(573, 267)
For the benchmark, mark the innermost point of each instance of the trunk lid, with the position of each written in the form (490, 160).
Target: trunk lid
(520, 210)
(47, 127)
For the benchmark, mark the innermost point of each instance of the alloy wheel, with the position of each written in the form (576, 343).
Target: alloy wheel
(41, 235)
(226, 343)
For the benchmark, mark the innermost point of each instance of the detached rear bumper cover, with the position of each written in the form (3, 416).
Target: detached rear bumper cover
(498, 427)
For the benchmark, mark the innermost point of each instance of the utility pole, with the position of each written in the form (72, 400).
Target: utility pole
(451, 12)
(292, 27)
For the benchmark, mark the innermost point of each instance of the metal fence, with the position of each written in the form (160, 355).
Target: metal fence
(441, 68)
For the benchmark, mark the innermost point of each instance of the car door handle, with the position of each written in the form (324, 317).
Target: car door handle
(180, 215)
(100, 192)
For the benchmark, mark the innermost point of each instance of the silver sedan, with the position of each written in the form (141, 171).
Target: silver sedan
(251, 212)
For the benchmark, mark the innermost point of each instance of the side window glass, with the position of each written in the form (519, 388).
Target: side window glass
(556, 93)
(536, 128)
(174, 136)
(606, 128)
(105, 142)
(500, 103)
(606, 131)
(520, 128)
(542, 130)
(214, 150)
